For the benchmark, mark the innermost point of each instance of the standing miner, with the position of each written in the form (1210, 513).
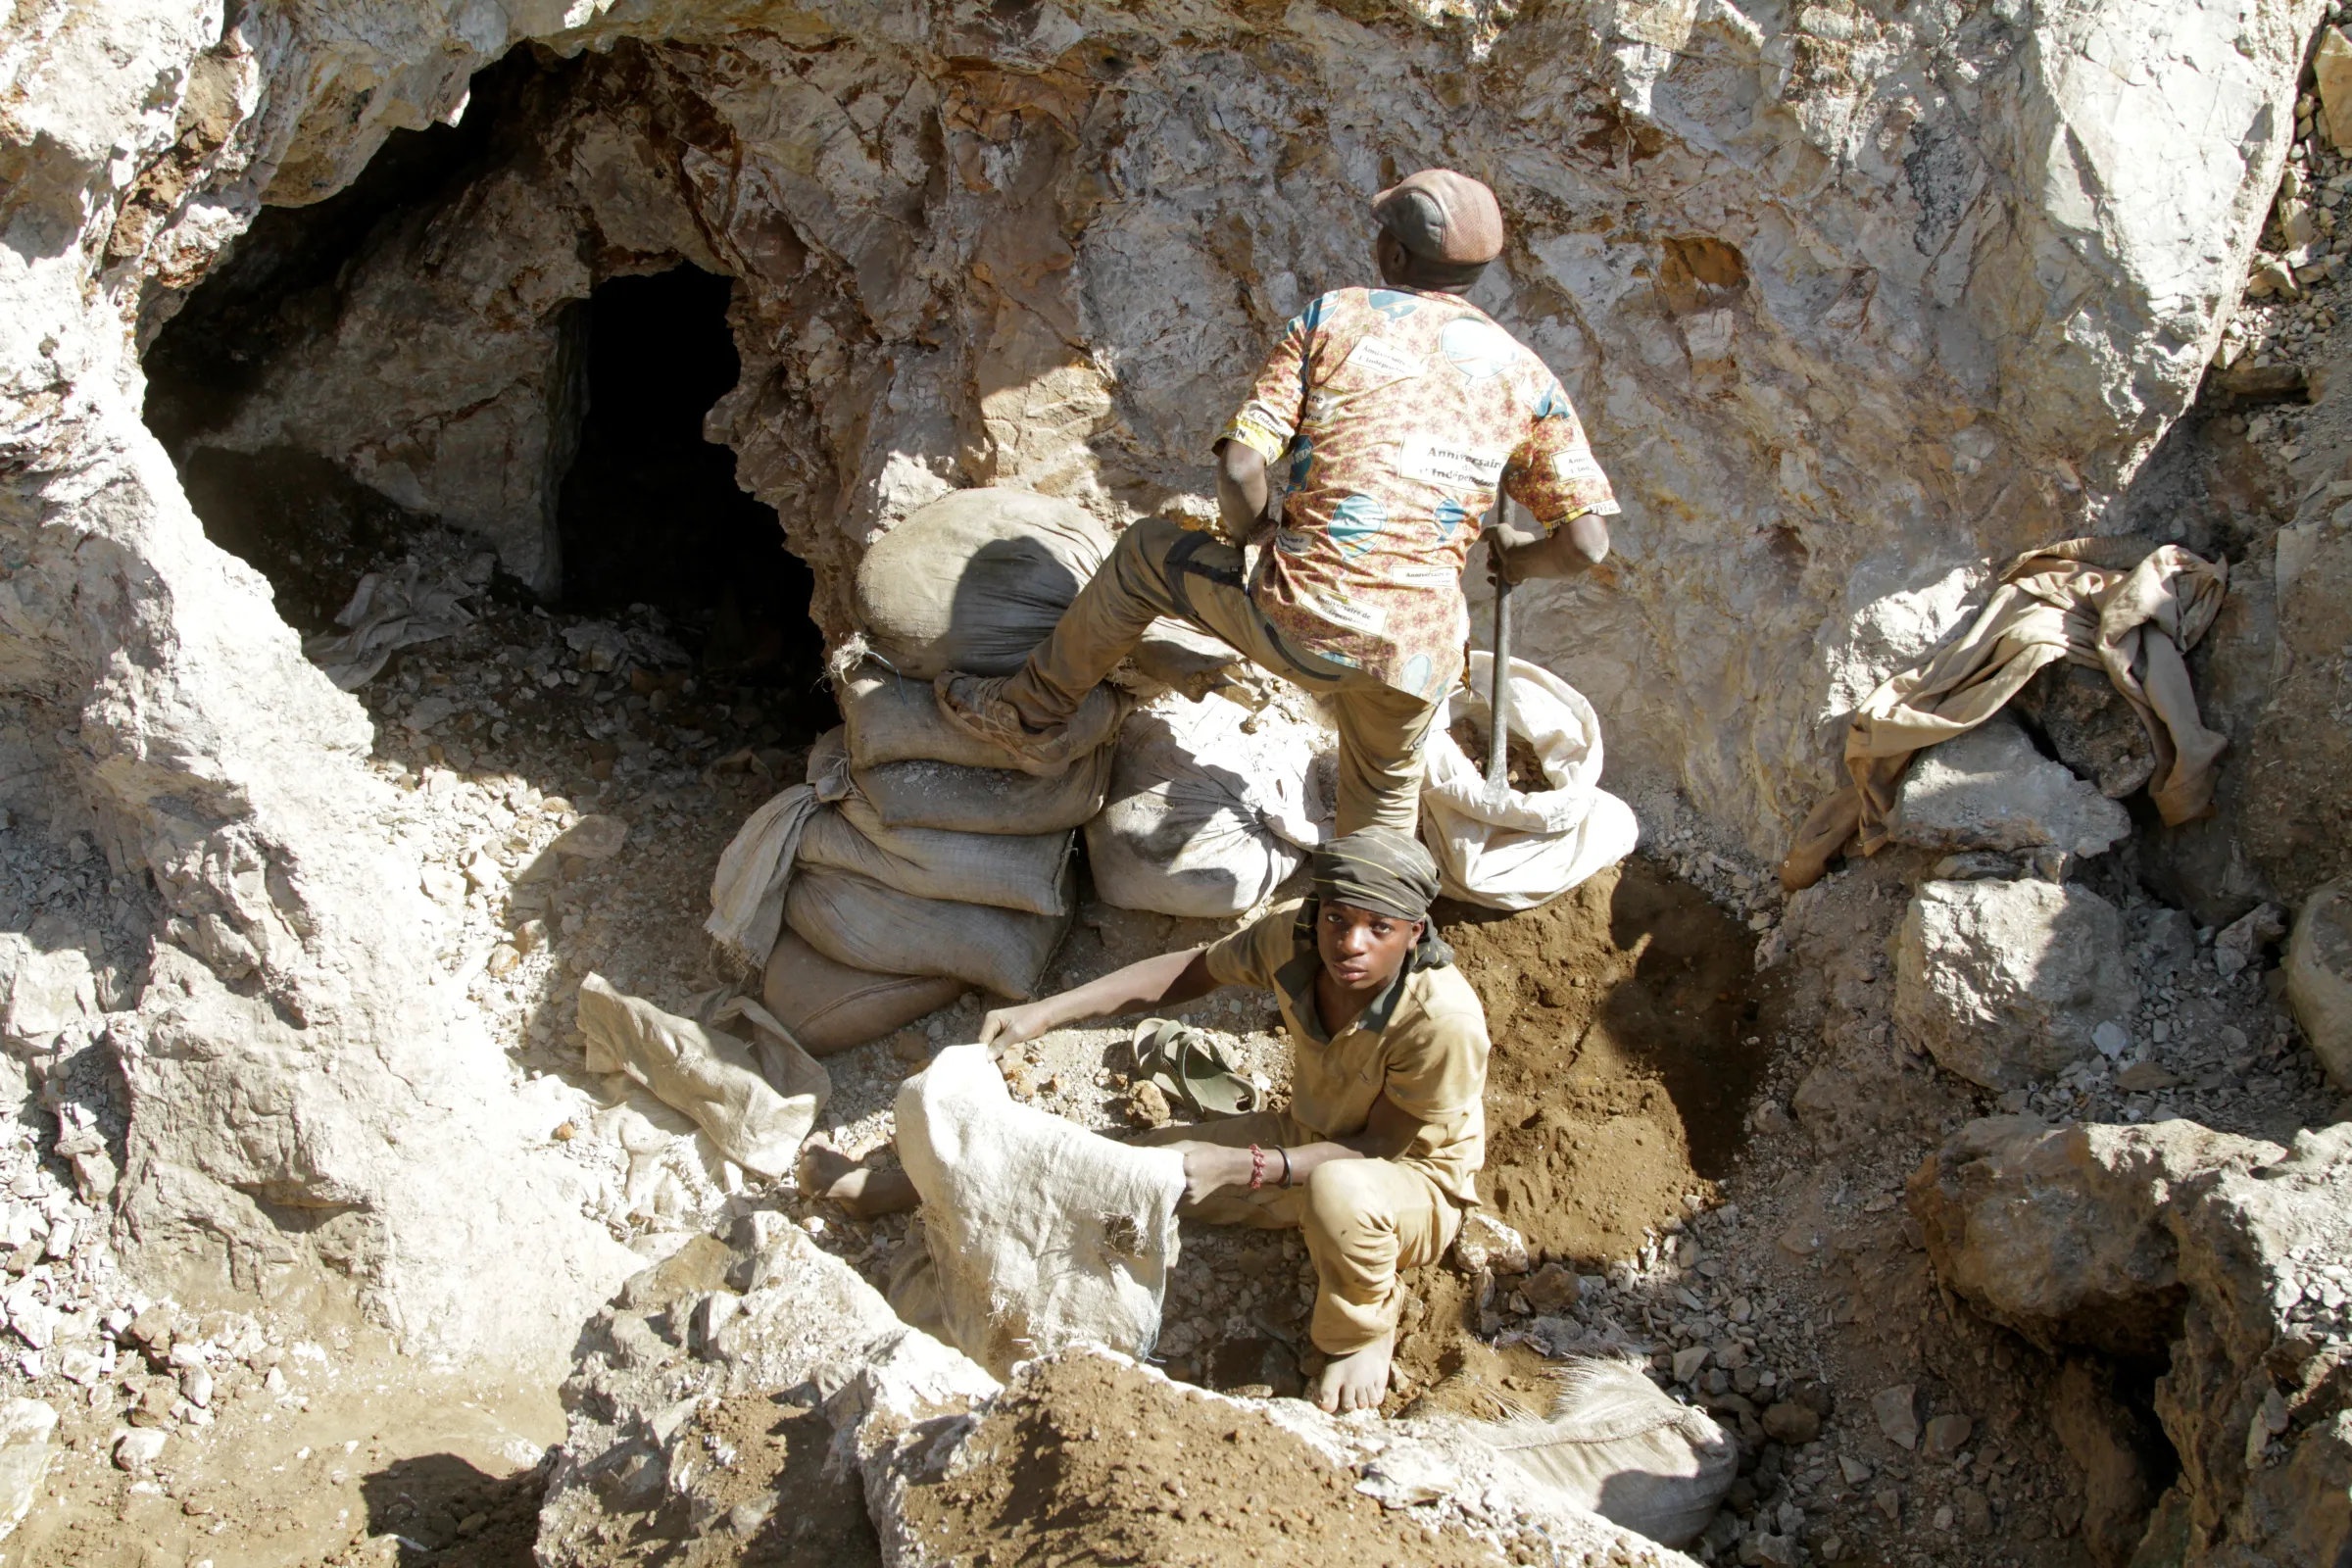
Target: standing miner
(1403, 410)
(1373, 1159)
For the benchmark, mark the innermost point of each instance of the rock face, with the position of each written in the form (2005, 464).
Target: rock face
(2006, 983)
(1823, 291)
(1990, 789)
(2171, 1240)
(2319, 976)
(2090, 727)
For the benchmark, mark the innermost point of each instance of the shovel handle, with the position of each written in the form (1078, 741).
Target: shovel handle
(1499, 699)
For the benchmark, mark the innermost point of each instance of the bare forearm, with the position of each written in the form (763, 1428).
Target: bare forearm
(1146, 984)
(1579, 547)
(1242, 488)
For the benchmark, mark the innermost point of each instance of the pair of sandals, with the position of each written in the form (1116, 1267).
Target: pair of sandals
(1193, 1069)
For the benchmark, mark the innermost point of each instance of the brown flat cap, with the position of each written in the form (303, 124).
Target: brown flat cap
(1440, 215)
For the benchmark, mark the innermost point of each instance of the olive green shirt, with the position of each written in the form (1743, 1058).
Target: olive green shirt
(1422, 1043)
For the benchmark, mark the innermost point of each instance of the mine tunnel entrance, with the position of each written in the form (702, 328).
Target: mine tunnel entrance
(649, 512)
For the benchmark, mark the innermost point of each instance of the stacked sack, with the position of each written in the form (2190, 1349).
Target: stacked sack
(917, 862)
(1210, 807)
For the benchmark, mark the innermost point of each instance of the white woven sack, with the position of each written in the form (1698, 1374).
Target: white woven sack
(1042, 1233)
(1202, 818)
(868, 926)
(1005, 871)
(1616, 1445)
(891, 721)
(1514, 849)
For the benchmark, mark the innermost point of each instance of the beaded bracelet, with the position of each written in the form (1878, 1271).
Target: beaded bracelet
(1258, 1167)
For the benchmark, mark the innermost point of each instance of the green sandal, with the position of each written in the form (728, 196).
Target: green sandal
(1192, 1069)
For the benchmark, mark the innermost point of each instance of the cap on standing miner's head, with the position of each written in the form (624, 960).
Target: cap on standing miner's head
(1443, 217)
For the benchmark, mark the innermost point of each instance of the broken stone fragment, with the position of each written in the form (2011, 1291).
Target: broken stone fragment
(1990, 789)
(2331, 62)
(1897, 1414)
(1947, 1433)
(592, 838)
(2243, 941)
(2006, 983)
(139, 1449)
(1791, 1423)
(2319, 976)
(1487, 1243)
(27, 1448)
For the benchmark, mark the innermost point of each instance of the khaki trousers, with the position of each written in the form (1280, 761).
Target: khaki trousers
(1162, 568)
(1365, 1220)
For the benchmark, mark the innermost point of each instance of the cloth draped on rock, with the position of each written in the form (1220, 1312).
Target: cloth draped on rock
(2107, 604)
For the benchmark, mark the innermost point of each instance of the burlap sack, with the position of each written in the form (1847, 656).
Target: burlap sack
(1204, 818)
(974, 580)
(894, 720)
(1042, 1233)
(867, 926)
(1005, 871)
(830, 1007)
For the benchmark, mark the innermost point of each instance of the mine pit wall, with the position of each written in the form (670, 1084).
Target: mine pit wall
(1853, 306)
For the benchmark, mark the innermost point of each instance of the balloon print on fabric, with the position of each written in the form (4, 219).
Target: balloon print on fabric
(1392, 304)
(1478, 349)
(1415, 676)
(1355, 522)
(1548, 399)
(1317, 312)
(1450, 514)
(1302, 460)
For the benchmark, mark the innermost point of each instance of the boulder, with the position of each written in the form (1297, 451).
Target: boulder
(2212, 1255)
(1990, 789)
(2089, 726)
(2319, 976)
(2006, 983)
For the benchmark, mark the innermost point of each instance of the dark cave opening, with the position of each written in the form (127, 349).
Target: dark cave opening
(649, 512)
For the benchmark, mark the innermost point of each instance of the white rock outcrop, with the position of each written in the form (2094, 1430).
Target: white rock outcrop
(1990, 789)
(2006, 983)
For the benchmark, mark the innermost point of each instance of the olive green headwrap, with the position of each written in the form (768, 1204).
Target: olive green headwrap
(1386, 872)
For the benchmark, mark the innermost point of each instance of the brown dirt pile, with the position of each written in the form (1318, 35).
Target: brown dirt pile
(1088, 1460)
(1620, 1074)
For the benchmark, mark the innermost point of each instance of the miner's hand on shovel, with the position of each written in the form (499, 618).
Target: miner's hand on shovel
(1517, 549)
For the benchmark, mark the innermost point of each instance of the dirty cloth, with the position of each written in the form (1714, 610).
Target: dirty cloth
(1041, 1233)
(1365, 1221)
(754, 1103)
(1422, 1043)
(2108, 603)
(1617, 1445)
(1380, 870)
(1160, 568)
(390, 611)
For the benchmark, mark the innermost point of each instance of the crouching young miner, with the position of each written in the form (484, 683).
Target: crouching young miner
(1374, 1159)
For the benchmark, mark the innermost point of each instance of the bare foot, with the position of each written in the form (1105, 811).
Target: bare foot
(1359, 1380)
(867, 1194)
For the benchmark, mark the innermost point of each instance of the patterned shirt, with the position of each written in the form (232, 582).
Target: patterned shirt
(1402, 412)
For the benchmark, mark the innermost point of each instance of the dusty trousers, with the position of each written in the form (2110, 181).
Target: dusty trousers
(1365, 1222)
(1162, 568)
